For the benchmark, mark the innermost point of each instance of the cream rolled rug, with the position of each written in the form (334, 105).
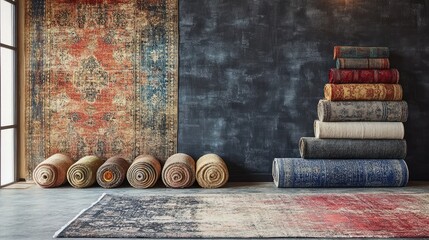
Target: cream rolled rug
(113, 172)
(359, 130)
(83, 173)
(212, 171)
(179, 171)
(52, 172)
(144, 172)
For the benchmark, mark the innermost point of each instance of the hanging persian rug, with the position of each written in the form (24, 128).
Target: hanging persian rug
(101, 78)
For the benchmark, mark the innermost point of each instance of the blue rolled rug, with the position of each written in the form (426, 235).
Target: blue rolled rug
(298, 172)
(316, 148)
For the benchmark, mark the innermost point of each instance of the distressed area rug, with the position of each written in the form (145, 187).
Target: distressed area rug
(379, 215)
(101, 78)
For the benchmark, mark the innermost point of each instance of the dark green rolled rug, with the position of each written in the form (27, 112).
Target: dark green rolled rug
(113, 172)
(83, 173)
(360, 52)
(310, 147)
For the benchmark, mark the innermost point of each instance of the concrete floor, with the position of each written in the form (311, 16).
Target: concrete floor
(30, 212)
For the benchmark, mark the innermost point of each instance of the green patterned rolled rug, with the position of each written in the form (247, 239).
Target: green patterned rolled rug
(212, 171)
(113, 172)
(360, 52)
(52, 172)
(179, 171)
(83, 173)
(144, 172)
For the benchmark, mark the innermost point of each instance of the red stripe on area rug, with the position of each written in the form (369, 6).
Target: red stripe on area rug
(256, 215)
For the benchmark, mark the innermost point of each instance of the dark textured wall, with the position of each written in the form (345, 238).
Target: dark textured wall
(252, 72)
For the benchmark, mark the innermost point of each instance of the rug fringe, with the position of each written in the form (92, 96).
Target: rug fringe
(78, 215)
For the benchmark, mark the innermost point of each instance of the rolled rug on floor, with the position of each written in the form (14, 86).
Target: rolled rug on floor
(113, 172)
(83, 173)
(212, 171)
(144, 172)
(355, 92)
(52, 172)
(360, 52)
(377, 111)
(298, 172)
(359, 130)
(341, 76)
(179, 171)
(363, 63)
(315, 148)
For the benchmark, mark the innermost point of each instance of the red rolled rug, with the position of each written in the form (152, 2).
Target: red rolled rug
(83, 173)
(113, 172)
(354, 92)
(179, 171)
(52, 172)
(144, 172)
(339, 76)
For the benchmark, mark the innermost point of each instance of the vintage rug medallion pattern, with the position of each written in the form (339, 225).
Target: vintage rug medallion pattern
(101, 78)
(254, 215)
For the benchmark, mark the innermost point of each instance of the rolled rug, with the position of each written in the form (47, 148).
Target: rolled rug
(359, 130)
(52, 172)
(113, 172)
(212, 171)
(363, 63)
(340, 76)
(315, 148)
(144, 172)
(360, 52)
(179, 171)
(83, 173)
(355, 92)
(297, 172)
(378, 111)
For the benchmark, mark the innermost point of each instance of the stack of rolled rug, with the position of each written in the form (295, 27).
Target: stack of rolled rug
(359, 136)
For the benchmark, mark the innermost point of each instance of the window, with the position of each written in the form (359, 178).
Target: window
(8, 91)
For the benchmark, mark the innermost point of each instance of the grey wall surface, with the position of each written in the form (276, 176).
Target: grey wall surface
(252, 72)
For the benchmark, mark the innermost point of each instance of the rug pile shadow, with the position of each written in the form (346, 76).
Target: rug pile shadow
(253, 215)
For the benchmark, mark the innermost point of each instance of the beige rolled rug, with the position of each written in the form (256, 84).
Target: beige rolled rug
(113, 172)
(144, 172)
(212, 171)
(179, 171)
(52, 172)
(83, 173)
(359, 130)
